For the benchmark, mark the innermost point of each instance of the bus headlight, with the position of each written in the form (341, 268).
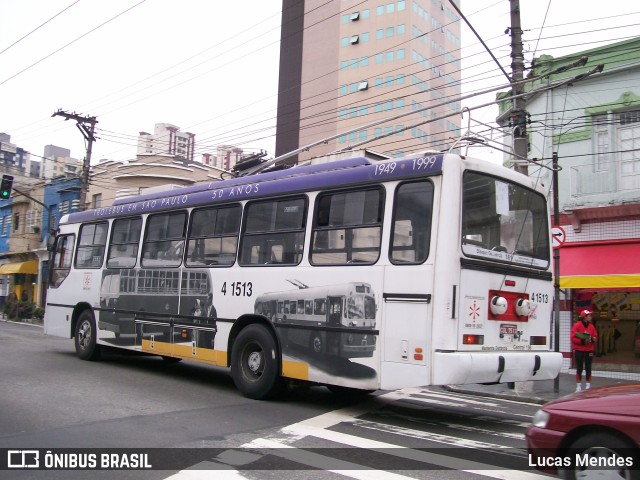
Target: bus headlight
(498, 305)
(523, 307)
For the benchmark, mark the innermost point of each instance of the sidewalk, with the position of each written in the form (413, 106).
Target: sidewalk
(29, 321)
(540, 392)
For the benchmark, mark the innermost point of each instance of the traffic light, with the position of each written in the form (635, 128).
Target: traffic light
(5, 191)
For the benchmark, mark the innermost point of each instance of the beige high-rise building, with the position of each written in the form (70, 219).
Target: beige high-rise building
(167, 140)
(346, 64)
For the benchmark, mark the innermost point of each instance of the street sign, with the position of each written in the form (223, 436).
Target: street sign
(558, 236)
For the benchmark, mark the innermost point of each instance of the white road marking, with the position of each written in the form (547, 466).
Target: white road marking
(457, 398)
(466, 428)
(207, 471)
(443, 461)
(317, 427)
(305, 457)
(422, 435)
(458, 426)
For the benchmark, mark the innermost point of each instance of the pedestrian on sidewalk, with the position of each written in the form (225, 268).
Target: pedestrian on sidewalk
(584, 337)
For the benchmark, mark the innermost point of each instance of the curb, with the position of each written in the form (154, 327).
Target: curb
(31, 324)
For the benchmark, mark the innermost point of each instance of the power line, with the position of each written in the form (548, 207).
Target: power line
(70, 43)
(542, 28)
(38, 27)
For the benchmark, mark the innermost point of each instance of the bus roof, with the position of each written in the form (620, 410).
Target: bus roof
(344, 173)
(280, 174)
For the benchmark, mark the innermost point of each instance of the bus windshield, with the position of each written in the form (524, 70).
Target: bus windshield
(504, 222)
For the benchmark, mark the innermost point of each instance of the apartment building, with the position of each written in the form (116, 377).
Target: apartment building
(167, 140)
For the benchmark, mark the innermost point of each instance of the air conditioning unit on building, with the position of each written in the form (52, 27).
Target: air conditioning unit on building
(33, 229)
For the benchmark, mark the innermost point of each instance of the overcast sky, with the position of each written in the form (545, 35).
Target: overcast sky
(211, 67)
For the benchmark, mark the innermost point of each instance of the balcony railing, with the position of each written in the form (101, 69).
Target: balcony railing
(607, 186)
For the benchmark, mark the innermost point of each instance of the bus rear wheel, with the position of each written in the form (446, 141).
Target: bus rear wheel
(255, 364)
(85, 337)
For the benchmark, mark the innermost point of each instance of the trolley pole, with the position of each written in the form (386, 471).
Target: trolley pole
(86, 125)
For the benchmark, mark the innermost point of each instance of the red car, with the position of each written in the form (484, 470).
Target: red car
(591, 434)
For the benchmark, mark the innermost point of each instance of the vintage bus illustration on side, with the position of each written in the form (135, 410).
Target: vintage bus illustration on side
(336, 320)
(131, 298)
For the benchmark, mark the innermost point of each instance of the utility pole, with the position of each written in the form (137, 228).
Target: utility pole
(519, 112)
(556, 268)
(86, 125)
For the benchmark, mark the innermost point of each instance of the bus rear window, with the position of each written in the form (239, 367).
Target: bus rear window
(504, 222)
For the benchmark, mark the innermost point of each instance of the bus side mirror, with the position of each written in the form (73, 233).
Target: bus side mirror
(51, 241)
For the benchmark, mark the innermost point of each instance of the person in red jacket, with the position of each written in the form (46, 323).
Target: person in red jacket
(584, 337)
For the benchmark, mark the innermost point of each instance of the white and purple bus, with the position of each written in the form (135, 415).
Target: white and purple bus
(442, 261)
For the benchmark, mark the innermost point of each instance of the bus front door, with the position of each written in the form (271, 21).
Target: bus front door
(334, 311)
(334, 319)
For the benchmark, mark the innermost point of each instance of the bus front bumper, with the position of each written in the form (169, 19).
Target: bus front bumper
(459, 368)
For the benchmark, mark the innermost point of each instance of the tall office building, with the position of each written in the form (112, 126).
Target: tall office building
(346, 64)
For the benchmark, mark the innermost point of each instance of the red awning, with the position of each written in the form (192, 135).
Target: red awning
(611, 265)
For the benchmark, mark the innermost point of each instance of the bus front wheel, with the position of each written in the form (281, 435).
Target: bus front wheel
(255, 363)
(85, 337)
(316, 343)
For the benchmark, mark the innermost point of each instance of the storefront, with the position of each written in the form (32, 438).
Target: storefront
(605, 277)
(22, 278)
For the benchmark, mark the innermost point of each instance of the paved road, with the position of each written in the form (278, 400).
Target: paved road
(52, 400)
(413, 433)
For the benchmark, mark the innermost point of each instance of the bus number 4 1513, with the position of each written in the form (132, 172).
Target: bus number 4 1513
(540, 297)
(238, 289)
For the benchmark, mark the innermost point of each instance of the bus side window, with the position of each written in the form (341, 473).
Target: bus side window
(274, 232)
(91, 245)
(164, 240)
(213, 236)
(319, 306)
(412, 223)
(63, 255)
(124, 243)
(347, 227)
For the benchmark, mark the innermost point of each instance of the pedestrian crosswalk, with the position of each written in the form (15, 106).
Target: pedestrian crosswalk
(406, 434)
